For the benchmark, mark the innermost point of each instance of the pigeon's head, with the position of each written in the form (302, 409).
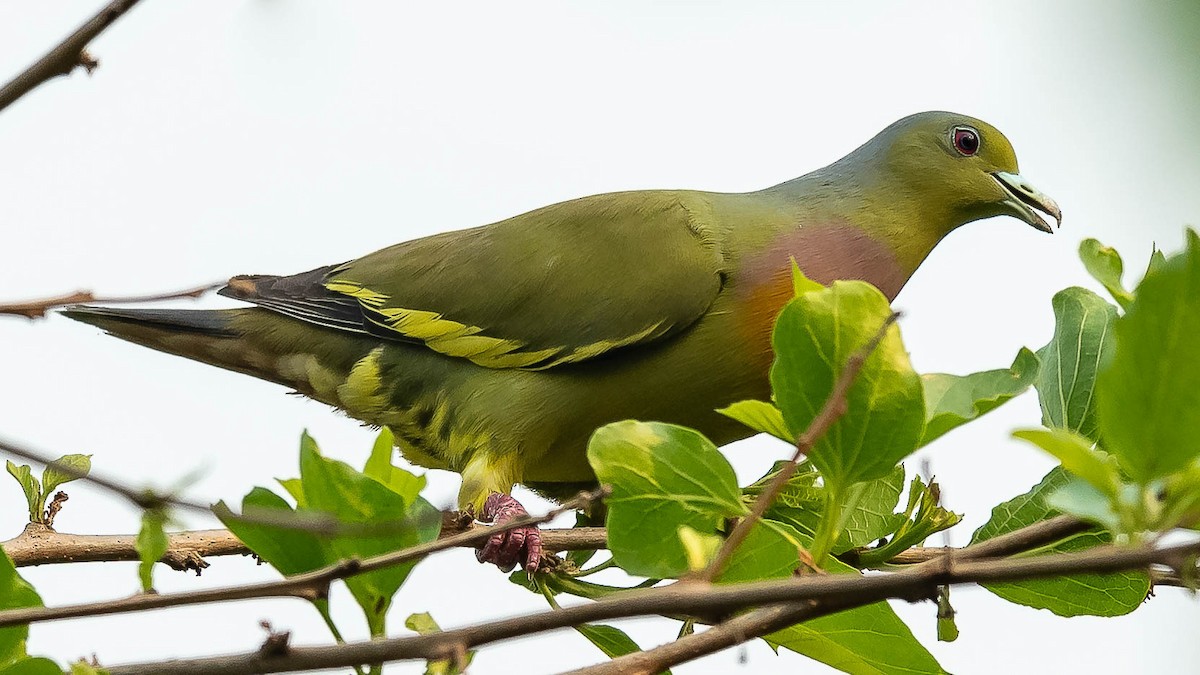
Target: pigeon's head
(960, 168)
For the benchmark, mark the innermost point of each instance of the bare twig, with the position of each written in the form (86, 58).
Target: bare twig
(36, 309)
(39, 545)
(834, 408)
(309, 585)
(66, 56)
(831, 593)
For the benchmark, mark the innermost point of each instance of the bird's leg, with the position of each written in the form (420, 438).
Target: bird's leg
(518, 545)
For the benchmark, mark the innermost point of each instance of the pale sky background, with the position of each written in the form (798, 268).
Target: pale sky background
(264, 136)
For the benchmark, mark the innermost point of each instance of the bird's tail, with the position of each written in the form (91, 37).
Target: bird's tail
(213, 336)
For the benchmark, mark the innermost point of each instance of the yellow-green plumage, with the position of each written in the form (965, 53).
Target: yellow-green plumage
(496, 351)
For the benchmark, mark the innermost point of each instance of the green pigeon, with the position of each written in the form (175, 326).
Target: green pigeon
(496, 351)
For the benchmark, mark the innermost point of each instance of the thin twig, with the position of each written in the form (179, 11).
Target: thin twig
(309, 585)
(66, 56)
(37, 309)
(833, 592)
(39, 545)
(830, 412)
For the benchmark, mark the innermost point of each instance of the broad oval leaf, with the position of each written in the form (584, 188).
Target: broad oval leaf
(1081, 345)
(954, 400)
(662, 477)
(1080, 595)
(815, 335)
(1149, 396)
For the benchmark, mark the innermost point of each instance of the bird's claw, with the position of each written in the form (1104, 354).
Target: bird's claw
(519, 545)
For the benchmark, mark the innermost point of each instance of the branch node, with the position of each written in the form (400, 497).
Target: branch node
(276, 644)
(88, 62)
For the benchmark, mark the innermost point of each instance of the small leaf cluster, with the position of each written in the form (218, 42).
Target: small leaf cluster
(62, 470)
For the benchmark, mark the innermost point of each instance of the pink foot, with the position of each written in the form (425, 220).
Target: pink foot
(506, 549)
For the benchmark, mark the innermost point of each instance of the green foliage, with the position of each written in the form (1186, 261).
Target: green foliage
(1084, 594)
(327, 486)
(14, 592)
(1149, 397)
(954, 400)
(40, 666)
(62, 470)
(1081, 344)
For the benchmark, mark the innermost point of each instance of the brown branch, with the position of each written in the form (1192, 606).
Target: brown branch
(39, 545)
(830, 592)
(830, 412)
(66, 56)
(766, 620)
(309, 585)
(36, 309)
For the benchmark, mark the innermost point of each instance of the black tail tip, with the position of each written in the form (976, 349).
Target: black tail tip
(206, 321)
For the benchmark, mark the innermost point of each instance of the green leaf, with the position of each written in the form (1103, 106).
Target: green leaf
(424, 624)
(869, 519)
(770, 551)
(64, 470)
(42, 666)
(291, 551)
(1078, 457)
(954, 400)
(760, 416)
(151, 545)
(379, 466)
(335, 488)
(873, 517)
(15, 593)
(30, 486)
(1081, 345)
(295, 489)
(662, 476)
(815, 335)
(1083, 500)
(610, 640)
(1149, 397)
(865, 640)
(1104, 264)
(1084, 594)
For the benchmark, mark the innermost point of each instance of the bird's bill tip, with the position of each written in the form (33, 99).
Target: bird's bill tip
(1023, 199)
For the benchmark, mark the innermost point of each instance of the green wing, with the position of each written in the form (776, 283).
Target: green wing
(561, 284)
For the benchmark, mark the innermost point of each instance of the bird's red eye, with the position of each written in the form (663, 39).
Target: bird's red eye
(966, 141)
